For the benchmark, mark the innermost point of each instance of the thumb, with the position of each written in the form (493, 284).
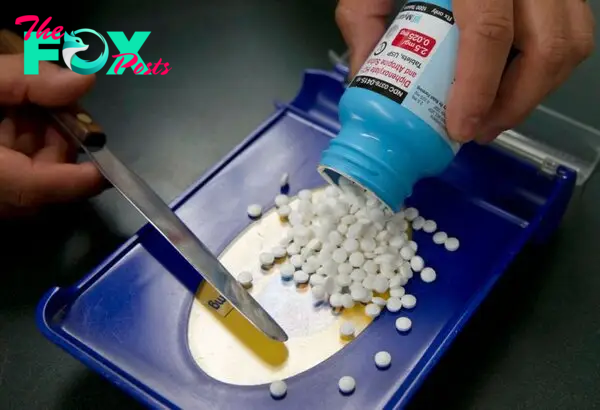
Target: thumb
(53, 86)
(362, 24)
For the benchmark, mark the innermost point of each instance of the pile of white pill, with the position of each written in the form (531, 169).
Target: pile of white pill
(350, 250)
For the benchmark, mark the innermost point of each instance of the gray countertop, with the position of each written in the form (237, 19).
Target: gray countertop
(535, 342)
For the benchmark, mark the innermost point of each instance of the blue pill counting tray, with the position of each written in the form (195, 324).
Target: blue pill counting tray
(142, 319)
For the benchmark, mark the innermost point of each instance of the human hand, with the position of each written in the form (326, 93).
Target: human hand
(552, 37)
(36, 163)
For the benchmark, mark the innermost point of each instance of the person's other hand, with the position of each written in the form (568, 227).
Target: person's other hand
(36, 163)
(552, 37)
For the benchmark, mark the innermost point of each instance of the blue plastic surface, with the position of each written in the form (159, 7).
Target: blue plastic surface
(128, 318)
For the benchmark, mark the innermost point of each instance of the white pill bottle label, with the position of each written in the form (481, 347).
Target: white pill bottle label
(414, 63)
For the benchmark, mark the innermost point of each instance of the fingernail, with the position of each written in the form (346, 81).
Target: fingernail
(468, 129)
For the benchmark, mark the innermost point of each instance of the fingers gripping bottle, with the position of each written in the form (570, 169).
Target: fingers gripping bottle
(392, 114)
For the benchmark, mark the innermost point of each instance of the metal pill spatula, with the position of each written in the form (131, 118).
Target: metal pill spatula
(88, 135)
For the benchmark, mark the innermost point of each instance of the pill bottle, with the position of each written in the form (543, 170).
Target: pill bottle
(392, 113)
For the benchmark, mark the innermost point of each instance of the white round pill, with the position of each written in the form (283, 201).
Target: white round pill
(407, 253)
(279, 252)
(335, 300)
(305, 194)
(347, 329)
(370, 267)
(369, 282)
(358, 293)
(347, 301)
(332, 191)
(429, 226)
(300, 277)
(335, 238)
(358, 275)
(278, 389)
(440, 237)
(411, 213)
(318, 293)
(397, 242)
(284, 211)
(284, 180)
(347, 385)
(343, 280)
(266, 258)
(287, 271)
(451, 244)
(381, 302)
(345, 268)
(297, 261)
(408, 301)
(397, 292)
(428, 275)
(281, 200)
(316, 280)
(254, 210)
(403, 324)
(245, 279)
(350, 245)
(372, 310)
(368, 244)
(293, 249)
(329, 285)
(395, 281)
(339, 255)
(417, 263)
(418, 223)
(413, 245)
(393, 304)
(383, 360)
(356, 259)
(380, 284)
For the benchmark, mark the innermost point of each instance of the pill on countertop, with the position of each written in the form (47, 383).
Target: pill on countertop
(417, 263)
(316, 280)
(408, 301)
(393, 304)
(347, 329)
(339, 255)
(380, 284)
(428, 275)
(383, 360)
(345, 268)
(372, 310)
(451, 244)
(359, 293)
(254, 211)
(413, 245)
(429, 226)
(300, 277)
(245, 279)
(358, 275)
(440, 237)
(395, 282)
(278, 389)
(403, 324)
(347, 385)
